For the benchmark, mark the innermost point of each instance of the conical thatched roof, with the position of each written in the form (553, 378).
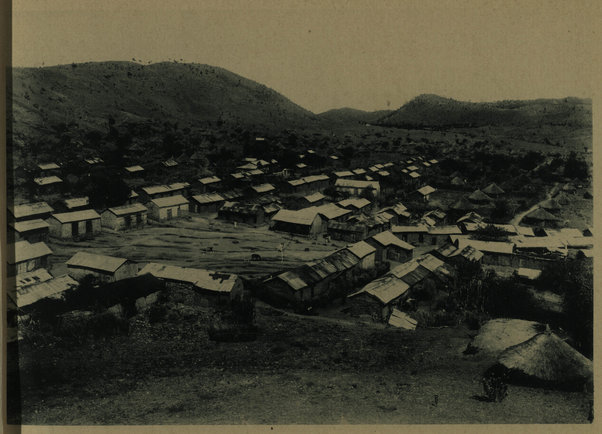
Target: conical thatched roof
(479, 196)
(548, 358)
(550, 204)
(457, 181)
(562, 199)
(498, 334)
(456, 174)
(463, 205)
(541, 214)
(493, 189)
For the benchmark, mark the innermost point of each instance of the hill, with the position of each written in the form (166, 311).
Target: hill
(348, 115)
(191, 94)
(432, 111)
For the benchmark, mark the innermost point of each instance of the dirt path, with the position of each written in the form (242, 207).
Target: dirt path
(517, 218)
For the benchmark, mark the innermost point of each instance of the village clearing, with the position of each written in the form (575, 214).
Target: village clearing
(199, 242)
(301, 369)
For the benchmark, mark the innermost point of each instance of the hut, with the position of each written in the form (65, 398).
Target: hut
(546, 359)
(76, 224)
(551, 205)
(206, 203)
(130, 216)
(541, 217)
(135, 170)
(355, 205)
(30, 230)
(159, 191)
(77, 203)
(365, 253)
(390, 247)
(209, 183)
(30, 288)
(263, 188)
(438, 235)
(479, 198)
(314, 199)
(499, 334)
(214, 287)
(105, 268)
(166, 208)
(379, 297)
(424, 193)
(24, 256)
(493, 190)
(247, 213)
(356, 188)
(303, 222)
(411, 234)
(48, 184)
(458, 182)
(30, 211)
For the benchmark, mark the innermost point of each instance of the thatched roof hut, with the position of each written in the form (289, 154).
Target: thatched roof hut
(548, 359)
(457, 181)
(493, 190)
(541, 215)
(478, 196)
(499, 334)
(550, 205)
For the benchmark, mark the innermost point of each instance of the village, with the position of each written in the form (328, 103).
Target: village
(389, 244)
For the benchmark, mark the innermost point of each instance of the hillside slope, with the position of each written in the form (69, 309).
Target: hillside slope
(433, 111)
(191, 94)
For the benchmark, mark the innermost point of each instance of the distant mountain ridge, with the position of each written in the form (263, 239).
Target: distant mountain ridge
(90, 93)
(434, 111)
(95, 93)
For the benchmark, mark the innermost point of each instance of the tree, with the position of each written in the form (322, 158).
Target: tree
(105, 189)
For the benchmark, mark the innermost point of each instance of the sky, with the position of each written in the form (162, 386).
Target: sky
(368, 55)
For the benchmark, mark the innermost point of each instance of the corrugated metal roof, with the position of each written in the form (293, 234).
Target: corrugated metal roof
(304, 216)
(315, 197)
(444, 230)
(160, 189)
(403, 269)
(427, 189)
(416, 275)
(24, 251)
(237, 175)
(357, 183)
(248, 166)
(296, 182)
(50, 288)
(414, 175)
(402, 320)
(29, 209)
(170, 163)
(96, 262)
(384, 173)
(470, 217)
(133, 194)
(135, 168)
(203, 279)
(48, 180)
(292, 279)
(94, 160)
(412, 168)
(29, 278)
(358, 203)
(163, 202)
(343, 173)
(385, 289)
(48, 166)
(315, 178)
(331, 211)
(487, 246)
(208, 198)
(29, 225)
(361, 249)
(263, 188)
(128, 209)
(301, 165)
(430, 262)
(76, 202)
(255, 172)
(209, 180)
(387, 238)
(409, 229)
(359, 171)
(76, 216)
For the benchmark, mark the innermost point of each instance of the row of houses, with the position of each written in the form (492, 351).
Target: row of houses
(333, 275)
